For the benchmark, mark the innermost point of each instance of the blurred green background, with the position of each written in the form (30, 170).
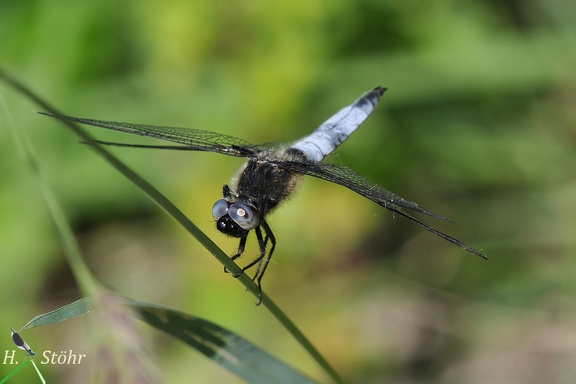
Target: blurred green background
(479, 124)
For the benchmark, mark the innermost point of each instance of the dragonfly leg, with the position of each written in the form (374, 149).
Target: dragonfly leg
(265, 260)
(261, 262)
(241, 248)
(262, 244)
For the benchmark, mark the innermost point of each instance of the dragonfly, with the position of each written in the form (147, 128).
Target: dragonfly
(272, 172)
(20, 343)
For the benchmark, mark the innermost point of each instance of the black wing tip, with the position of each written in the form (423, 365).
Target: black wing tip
(441, 234)
(481, 254)
(373, 96)
(55, 115)
(476, 252)
(379, 90)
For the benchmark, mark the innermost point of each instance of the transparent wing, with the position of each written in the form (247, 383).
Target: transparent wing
(190, 139)
(350, 179)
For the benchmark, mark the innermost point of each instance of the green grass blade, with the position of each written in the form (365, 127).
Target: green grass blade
(22, 366)
(224, 347)
(84, 278)
(15, 371)
(67, 312)
(38, 372)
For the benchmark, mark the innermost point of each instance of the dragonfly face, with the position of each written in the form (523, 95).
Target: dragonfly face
(234, 218)
(271, 173)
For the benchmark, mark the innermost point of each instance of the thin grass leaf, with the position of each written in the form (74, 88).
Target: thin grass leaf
(22, 366)
(67, 312)
(84, 278)
(224, 347)
(15, 371)
(125, 360)
(38, 372)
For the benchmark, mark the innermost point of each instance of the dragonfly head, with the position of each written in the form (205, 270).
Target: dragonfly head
(235, 219)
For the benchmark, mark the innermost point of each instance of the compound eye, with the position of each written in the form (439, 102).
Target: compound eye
(219, 209)
(244, 215)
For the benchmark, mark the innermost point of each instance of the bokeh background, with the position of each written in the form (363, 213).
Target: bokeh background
(479, 124)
